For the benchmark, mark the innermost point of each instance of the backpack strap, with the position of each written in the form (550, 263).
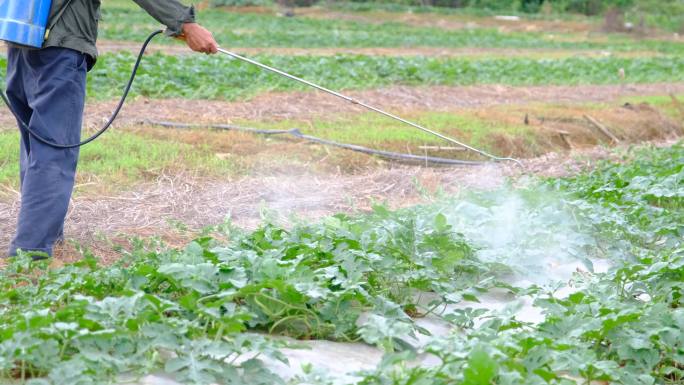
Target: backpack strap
(56, 18)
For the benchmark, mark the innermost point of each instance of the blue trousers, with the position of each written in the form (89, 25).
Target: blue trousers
(46, 87)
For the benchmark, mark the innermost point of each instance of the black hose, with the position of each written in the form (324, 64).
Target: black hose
(397, 156)
(111, 119)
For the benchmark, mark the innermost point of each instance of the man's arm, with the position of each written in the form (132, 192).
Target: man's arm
(180, 21)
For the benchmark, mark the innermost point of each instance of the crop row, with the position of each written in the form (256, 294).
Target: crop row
(266, 30)
(193, 311)
(219, 77)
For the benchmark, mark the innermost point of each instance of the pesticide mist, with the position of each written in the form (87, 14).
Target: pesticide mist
(534, 232)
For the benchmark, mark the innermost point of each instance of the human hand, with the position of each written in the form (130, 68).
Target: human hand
(199, 39)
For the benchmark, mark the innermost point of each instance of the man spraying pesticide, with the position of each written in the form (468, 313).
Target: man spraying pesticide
(51, 47)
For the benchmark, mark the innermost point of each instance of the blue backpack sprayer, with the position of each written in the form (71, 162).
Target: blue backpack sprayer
(26, 23)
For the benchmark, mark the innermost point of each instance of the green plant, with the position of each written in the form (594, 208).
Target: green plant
(164, 76)
(192, 311)
(236, 29)
(625, 326)
(187, 310)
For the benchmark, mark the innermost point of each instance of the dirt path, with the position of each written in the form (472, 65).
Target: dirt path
(469, 52)
(155, 209)
(466, 52)
(306, 105)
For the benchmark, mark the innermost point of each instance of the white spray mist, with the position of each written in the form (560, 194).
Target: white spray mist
(534, 232)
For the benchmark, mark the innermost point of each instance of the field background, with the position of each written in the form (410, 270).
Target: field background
(201, 249)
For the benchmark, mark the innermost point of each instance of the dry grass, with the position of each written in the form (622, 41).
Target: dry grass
(559, 127)
(517, 130)
(307, 105)
(103, 223)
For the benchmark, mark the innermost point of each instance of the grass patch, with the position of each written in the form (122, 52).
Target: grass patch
(663, 102)
(9, 155)
(121, 159)
(376, 131)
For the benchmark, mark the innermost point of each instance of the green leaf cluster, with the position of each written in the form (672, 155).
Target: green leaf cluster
(201, 313)
(188, 310)
(625, 326)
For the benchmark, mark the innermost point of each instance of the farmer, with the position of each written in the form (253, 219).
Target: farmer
(46, 88)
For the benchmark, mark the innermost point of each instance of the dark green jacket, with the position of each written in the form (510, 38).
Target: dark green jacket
(76, 26)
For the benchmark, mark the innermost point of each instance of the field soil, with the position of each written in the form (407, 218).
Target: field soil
(106, 46)
(307, 105)
(303, 105)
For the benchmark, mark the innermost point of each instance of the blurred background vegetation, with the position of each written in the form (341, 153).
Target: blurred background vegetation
(664, 14)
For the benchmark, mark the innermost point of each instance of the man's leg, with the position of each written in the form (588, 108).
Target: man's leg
(54, 83)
